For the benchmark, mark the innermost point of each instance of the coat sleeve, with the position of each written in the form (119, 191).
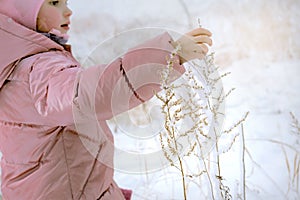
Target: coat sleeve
(127, 81)
(51, 83)
(104, 90)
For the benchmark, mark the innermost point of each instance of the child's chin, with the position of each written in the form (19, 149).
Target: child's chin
(63, 31)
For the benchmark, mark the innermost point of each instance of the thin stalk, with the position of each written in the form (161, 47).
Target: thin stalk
(178, 156)
(183, 177)
(207, 171)
(218, 162)
(243, 162)
(218, 156)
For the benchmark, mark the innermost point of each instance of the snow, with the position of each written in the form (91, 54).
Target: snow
(254, 40)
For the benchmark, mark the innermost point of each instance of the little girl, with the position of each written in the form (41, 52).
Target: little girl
(43, 157)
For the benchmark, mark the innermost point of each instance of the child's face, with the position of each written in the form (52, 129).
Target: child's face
(54, 14)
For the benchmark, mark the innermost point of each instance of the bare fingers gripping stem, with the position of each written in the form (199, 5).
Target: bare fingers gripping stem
(194, 44)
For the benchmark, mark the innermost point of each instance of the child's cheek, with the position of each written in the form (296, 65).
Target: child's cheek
(54, 23)
(53, 20)
(42, 26)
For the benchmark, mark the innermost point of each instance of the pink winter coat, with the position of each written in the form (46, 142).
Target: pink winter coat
(41, 84)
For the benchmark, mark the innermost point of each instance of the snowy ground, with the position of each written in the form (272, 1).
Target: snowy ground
(254, 40)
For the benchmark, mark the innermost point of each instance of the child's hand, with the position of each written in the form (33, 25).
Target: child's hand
(193, 44)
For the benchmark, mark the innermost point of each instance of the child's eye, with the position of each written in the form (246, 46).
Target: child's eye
(54, 3)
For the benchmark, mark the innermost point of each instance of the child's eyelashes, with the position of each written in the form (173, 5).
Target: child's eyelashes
(54, 3)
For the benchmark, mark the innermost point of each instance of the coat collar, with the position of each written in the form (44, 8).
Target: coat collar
(17, 42)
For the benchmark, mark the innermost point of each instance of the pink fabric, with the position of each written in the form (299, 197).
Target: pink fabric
(25, 42)
(127, 193)
(24, 12)
(44, 155)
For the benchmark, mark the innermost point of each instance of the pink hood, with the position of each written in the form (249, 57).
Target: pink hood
(21, 41)
(24, 12)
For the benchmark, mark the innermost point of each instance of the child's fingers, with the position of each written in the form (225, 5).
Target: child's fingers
(204, 48)
(195, 44)
(199, 31)
(200, 49)
(203, 39)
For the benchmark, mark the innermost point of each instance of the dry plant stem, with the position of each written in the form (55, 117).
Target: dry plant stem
(288, 167)
(219, 177)
(293, 171)
(295, 124)
(169, 125)
(207, 170)
(192, 109)
(218, 157)
(237, 124)
(264, 172)
(243, 162)
(296, 172)
(223, 189)
(183, 178)
(178, 156)
(296, 176)
(293, 175)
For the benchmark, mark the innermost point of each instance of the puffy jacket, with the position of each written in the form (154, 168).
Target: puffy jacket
(43, 90)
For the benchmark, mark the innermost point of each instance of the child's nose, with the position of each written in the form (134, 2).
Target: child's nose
(68, 12)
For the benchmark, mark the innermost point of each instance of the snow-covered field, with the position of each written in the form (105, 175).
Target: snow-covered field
(254, 40)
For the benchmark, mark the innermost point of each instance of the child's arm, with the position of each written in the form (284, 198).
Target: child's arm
(107, 90)
(59, 87)
(112, 92)
(126, 82)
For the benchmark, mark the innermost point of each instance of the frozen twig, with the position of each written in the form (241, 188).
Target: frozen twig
(243, 162)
